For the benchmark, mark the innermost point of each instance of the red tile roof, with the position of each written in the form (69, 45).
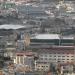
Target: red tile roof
(59, 50)
(24, 53)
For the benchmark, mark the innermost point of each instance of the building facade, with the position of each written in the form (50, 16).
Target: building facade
(25, 59)
(56, 55)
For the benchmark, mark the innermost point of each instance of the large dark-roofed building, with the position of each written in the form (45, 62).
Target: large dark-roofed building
(47, 40)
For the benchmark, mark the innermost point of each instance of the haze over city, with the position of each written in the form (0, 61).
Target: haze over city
(37, 37)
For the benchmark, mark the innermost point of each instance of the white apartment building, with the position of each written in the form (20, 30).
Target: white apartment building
(10, 46)
(23, 1)
(56, 55)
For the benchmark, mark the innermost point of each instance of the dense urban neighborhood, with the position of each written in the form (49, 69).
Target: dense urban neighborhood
(37, 37)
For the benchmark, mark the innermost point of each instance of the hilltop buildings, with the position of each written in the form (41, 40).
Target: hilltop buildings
(50, 48)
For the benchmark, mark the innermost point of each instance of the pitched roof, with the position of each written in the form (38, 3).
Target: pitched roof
(24, 53)
(58, 50)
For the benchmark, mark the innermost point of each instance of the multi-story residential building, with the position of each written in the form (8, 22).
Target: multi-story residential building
(55, 54)
(10, 46)
(10, 49)
(2, 49)
(25, 58)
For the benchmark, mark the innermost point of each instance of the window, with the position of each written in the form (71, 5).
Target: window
(42, 66)
(41, 55)
(54, 59)
(63, 56)
(46, 66)
(41, 58)
(59, 56)
(45, 55)
(58, 59)
(72, 56)
(71, 59)
(45, 58)
(38, 66)
(62, 53)
(50, 56)
(58, 53)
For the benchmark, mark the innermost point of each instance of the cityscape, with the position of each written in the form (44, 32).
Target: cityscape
(37, 37)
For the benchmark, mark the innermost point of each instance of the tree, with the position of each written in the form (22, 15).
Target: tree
(52, 67)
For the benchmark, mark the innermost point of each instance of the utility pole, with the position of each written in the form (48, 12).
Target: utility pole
(74, 52)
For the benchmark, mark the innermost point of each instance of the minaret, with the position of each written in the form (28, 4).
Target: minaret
(26, 41)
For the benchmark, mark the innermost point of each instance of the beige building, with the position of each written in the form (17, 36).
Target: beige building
(42, 66)
(58, 54)
(25, 59)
